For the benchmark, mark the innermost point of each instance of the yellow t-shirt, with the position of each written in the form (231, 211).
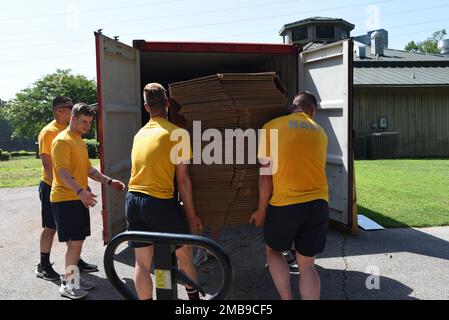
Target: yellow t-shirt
(301, 170)
(153, 171)
(69, 152)
(45, 139)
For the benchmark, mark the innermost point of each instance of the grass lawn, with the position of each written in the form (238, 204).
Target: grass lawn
(394, 193)
(23, 172)
(404, 193)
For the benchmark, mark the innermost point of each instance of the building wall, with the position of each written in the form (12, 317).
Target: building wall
(420, 115)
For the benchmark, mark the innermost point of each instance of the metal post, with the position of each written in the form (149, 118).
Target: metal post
(165, 263)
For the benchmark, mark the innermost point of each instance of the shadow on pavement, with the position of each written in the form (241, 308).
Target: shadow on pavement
(351, 285)
(393, 240)
(253, 282)
(260, 286)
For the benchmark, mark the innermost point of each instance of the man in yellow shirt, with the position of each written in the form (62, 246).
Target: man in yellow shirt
(151, 204)
(293, 199)
(62, 107)
(71, 197)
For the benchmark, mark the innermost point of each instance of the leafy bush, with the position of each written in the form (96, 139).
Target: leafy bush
(92, 148)
(22, 153)
(5, 156)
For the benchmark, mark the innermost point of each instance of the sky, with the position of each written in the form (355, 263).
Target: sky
(38, 37)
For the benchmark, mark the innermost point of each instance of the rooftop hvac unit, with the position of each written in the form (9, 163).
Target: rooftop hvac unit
(383, 145)
(443, 45)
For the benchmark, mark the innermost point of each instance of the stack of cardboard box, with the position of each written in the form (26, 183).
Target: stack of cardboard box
(226, 193)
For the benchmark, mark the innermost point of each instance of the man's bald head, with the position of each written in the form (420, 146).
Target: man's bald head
(305, 102)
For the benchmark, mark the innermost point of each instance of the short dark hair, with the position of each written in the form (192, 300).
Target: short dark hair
(60, 100)
(304, 100)
(83, 109)
(155, 95)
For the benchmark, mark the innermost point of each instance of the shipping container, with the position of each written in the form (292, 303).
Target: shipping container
(123, 71)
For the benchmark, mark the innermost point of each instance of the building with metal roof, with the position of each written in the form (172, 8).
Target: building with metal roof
(398, 96)
(399, 68)
(402, 92)
(401, 76)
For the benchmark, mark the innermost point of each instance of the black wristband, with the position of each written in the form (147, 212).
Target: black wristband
(79, 191)
(109, 182)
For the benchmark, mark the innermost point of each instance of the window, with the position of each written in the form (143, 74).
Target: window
(325, 32)
(300, 34)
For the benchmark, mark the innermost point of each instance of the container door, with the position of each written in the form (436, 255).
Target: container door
(327, 73)
(119, 112)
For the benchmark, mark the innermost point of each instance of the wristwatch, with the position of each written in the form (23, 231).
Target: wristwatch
(109, 182)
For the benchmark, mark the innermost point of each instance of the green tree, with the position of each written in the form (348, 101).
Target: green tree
(428, 46)
(31, 109)
(5, 127)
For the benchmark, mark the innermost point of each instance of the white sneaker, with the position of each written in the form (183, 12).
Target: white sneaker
(86, 285)
(70, 292)
(199, 257)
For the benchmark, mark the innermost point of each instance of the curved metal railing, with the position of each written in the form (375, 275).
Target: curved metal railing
(173, 240)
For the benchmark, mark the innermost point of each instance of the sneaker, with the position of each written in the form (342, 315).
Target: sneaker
(70, 292)
(199, 257)
(47, 272)
(293, 269)
(291, 259)
(87, 267)
(86, 285)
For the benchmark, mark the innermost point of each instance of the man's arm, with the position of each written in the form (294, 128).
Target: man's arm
(87, 197)
(95, 175)
(265, 193)
(185, 189)
(48, 166)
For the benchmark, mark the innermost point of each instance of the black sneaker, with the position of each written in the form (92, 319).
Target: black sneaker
(292, 268)
(290, 257)
(47, 273)
(291, 260)
(87, 267)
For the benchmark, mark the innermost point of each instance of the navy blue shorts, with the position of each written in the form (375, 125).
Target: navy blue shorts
(149, 214)
(72, 220)
(48, 219)
(304, 225)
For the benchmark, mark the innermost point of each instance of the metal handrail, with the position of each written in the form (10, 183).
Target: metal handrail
(165, 238)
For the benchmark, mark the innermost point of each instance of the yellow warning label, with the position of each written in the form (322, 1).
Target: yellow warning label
(163, 279)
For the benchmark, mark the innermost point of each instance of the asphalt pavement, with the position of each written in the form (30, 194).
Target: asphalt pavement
(394, 264)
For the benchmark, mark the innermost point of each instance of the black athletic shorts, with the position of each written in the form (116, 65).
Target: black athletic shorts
(72, 220)
(48, 219)
(149, 214)
(304, 225)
